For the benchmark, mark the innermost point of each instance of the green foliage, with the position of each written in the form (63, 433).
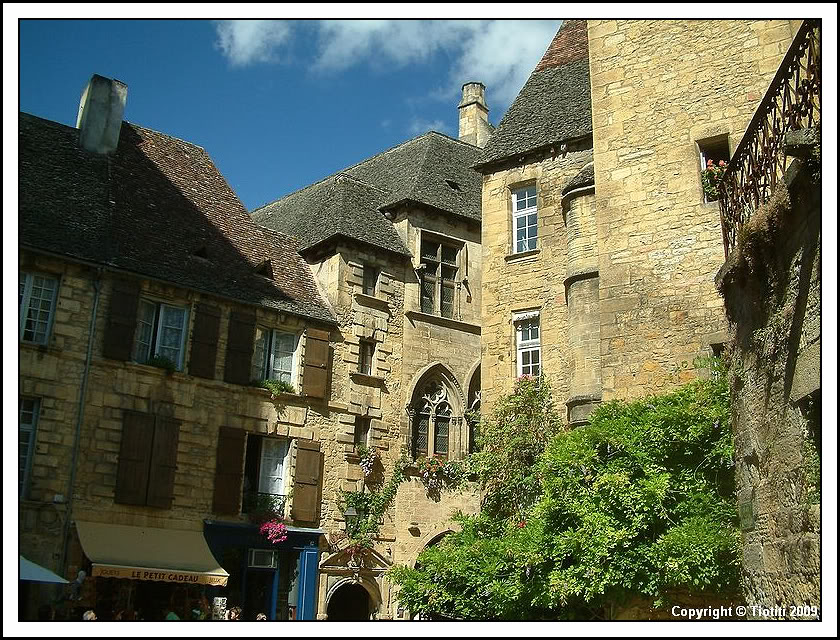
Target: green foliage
(638, 502)
(276, 387)
(437, 474)
(162, 362)
(711, 178)
(371, 506)
(510, 443)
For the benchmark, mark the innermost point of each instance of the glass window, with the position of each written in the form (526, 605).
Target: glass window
(36, 301)
(366, 351)
(525, 219)
(274, 355)
(528, 347)
(439, 275)
(28, 418)
(273, 466)
(161, 332)
(371, 275)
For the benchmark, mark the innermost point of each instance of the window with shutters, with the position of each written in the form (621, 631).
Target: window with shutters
(275, 356)
(28, 410)
(524, 219)
(161, 332)
(264, 486)
(431, 422)
(528, 349)
(438, 276)
(147, 460)
(36, 301)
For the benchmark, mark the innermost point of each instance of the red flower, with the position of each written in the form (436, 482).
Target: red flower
(521, 525)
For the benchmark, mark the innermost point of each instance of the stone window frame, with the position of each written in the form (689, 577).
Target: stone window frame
(27, 282)
(435, 408)
(267, 368)
(530, 345)
(524, 214)
(25, 469)
(156, 325)
(711, 148)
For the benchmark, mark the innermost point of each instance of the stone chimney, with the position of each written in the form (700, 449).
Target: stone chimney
(473, 125)
(100, 114)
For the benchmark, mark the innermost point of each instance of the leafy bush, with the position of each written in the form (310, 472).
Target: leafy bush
(162, 362)
(276, 387)
(640, 502)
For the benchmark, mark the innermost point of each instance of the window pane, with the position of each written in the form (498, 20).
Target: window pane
(271, 466)
(442, 436)
(258, 363)
(427, 295)
(143, 332)
(421, 435)
(447, 300)
(429, 249)
(283, 356)
(171, 333)
(28, 413)
(38, 303)
(520, 222)
(449, 254)
(369, 280)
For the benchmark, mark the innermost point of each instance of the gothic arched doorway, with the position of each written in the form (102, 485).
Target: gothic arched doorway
(349, 602)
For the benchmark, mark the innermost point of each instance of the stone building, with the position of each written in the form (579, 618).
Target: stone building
(599, 246)
(394, 243)
(150, 305)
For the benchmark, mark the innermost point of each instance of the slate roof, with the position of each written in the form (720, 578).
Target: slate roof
(555, 104)
(147, 209)
(350, 203)
(584, 178)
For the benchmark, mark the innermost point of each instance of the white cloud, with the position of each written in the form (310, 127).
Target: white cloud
(499, 53)
(418, 126)
(246, 41)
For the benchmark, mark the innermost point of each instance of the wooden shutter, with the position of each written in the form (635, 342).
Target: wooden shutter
(306, 499)
(122, 320)
(229, 455)
(205, 340)
(163, 463)
(317, 358)
(135, 455)
(240, 347)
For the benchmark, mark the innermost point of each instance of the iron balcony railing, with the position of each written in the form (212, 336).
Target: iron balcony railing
(792, 102)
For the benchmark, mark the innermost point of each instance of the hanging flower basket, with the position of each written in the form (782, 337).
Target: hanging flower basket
(274, 530)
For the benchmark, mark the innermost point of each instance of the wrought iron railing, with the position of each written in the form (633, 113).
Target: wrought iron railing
(254, 502)
(792, 102)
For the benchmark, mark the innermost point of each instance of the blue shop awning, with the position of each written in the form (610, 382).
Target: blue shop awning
(36, 573)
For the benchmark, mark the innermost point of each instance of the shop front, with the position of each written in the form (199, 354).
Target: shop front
(278, 580)
(149, 573)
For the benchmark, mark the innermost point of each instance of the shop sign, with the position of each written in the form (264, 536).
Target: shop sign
(164, 575)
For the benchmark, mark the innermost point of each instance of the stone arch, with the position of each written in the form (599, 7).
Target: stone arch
(435, 410)
(366, 582)
(431, 540)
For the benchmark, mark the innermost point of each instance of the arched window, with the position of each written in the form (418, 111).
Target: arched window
(431, 418)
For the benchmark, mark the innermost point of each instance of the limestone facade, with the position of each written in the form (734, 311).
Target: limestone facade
(623, 271)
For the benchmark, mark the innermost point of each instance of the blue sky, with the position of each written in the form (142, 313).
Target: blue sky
(279, 104)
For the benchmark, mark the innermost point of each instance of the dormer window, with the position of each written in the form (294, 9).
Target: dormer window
(201, 252)
(453, 185)
(264, 269)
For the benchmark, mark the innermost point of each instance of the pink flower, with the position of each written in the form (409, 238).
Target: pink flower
(722, 163)
(521, 524)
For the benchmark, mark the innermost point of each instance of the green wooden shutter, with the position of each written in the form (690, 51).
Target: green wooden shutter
(240, 347)
(122, 320)
(135, 455)
(229, 457)
(205, 340)
(317, 358)
(163, 463)
(306, 499)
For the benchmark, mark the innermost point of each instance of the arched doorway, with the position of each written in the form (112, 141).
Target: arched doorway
(349, 602)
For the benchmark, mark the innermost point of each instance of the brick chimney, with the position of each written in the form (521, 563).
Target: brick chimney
(473, 125)
(100, 114)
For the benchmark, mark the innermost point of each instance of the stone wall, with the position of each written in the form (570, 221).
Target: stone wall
(771, 287)
(658, 88)
(533, 280)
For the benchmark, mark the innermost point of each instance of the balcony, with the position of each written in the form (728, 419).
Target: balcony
(792, 103)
